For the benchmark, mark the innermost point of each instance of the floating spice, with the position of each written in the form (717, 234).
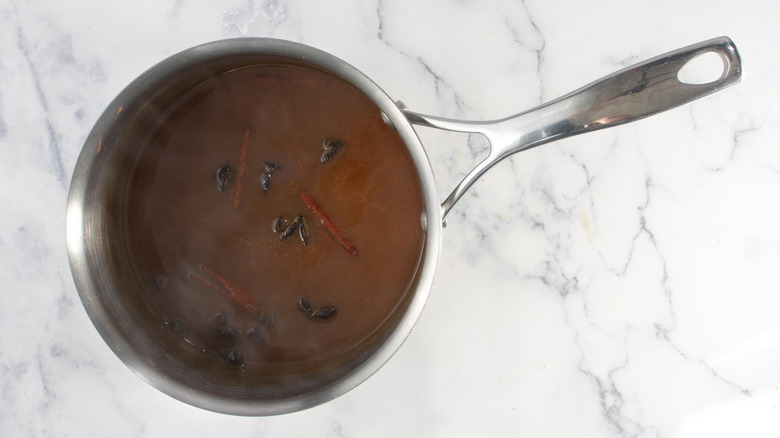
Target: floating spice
(268, 174)
(303, 231)
(178, 327)
(280, 224)
(233, 357)
(241, 169)
(222, 330)
(286, 228)
(254, 335)
(226, 289)
(322, 313)
(224, 175)
(304, 305)
(330, 147)
(349, 248)
(290, 230)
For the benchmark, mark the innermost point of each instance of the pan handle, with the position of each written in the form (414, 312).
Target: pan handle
(630, 94)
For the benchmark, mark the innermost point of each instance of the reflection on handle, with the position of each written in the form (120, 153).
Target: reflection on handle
(630, 94)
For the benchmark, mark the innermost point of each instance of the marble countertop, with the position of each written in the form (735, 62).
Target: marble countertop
(625, 283)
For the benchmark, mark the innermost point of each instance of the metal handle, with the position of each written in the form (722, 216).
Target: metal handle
(630, 94)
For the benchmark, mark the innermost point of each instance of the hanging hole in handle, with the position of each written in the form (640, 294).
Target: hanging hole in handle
(703, 69)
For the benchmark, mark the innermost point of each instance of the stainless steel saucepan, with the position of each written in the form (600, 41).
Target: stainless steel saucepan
(100, 177)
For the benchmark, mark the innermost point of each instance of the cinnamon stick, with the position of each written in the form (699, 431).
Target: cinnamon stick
(227, 289)
(241, 169)
(335, 233)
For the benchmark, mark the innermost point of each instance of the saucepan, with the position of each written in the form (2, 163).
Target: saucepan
(99, 193)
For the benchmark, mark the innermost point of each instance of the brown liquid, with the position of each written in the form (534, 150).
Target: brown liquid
(180, 226)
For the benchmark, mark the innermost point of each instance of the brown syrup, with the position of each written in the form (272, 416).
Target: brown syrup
(184, 220)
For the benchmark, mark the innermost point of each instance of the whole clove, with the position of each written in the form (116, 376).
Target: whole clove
(330, 148)
(321, 313)
(178, 327)
(233, 357)
(224, 176)
(267, 176)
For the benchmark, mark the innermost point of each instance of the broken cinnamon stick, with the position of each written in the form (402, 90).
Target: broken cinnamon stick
(335, 233)
(227, 289)
(241, 169)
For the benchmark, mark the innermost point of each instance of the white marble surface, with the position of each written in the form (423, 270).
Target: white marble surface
(621, 284)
